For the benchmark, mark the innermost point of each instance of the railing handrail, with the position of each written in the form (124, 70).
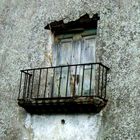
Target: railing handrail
(40, 82)
(99, 63)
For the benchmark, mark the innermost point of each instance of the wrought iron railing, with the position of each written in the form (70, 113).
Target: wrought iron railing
(66, 81)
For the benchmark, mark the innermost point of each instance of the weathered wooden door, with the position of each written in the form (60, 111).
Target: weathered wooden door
(75, 50)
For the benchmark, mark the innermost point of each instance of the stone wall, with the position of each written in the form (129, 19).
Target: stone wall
(25, 44)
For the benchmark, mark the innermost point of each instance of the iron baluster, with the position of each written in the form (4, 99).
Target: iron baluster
(25, 84)
(60, 81)
(53, 82)
(39, 84)
(82, 80)
(46, 82)
(99, 81)
(32, 83)
(28, 91)
(90, 79)
(75, 80)
(67, 80)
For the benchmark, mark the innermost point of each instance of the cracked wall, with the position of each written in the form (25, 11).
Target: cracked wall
(25, 44)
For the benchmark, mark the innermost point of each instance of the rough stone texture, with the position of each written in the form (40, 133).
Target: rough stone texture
(25, 44)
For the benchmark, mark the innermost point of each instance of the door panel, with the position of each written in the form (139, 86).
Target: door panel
(88, 50)
(88, 56)
(64, 56)
(65, 52)
(75, 71)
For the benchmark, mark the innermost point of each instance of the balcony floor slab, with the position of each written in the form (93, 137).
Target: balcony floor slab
(59, 105)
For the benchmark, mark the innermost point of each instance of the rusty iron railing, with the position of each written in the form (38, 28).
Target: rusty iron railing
(65, 81)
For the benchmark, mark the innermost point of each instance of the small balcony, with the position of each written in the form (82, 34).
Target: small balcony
(77, 88)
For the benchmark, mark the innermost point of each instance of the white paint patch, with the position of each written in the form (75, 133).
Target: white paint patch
(76, 127)
(28, 121)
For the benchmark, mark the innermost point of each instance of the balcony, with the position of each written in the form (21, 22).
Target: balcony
(77, 88)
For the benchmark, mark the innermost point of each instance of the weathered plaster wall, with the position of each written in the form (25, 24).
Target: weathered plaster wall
(25, 44)
(75, 127)
(120, 38)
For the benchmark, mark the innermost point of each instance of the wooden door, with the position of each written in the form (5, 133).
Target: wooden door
(75, 50)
